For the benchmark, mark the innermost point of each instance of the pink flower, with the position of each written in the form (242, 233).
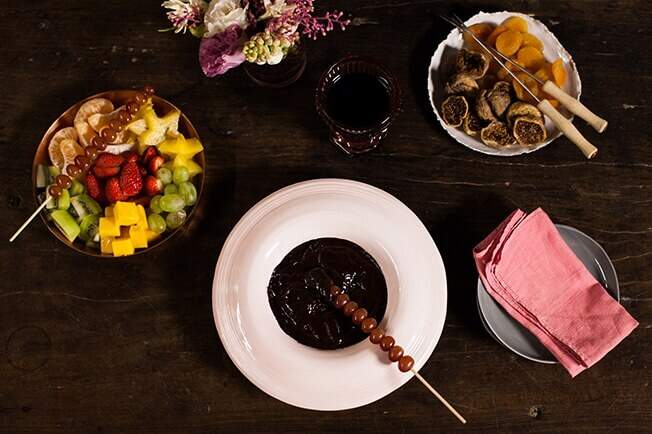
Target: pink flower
(222, 52)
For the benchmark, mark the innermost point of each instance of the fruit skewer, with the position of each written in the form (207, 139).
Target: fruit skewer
(369, 325)
(83, 162)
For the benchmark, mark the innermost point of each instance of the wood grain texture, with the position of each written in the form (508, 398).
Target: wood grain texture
(130, 346)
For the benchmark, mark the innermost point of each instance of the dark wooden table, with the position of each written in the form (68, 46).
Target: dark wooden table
(129, 345)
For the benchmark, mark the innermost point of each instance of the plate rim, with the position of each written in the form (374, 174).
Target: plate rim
(266, 202)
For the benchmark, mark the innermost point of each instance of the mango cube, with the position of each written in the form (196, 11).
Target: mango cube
(151, 235)
(122, 247)
(105, 245)
(138, 237)
(125, 213)
(108, 227)
(108, 211)
(142, 218)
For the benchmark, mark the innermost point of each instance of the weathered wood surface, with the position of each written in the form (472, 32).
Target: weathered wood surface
(129, 345)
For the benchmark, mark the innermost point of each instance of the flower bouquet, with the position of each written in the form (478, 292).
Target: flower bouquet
(261, 32)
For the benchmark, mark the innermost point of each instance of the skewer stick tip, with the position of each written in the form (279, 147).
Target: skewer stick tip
(29, 220)
(438, 396)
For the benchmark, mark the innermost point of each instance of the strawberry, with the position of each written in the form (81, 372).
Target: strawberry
(93, 187)
(130, 156)
(153, 185)
(131, 182)
(113, 191)
(150, 152)
(143, 171)
(109, 160)
(143, 200)
(106, 171)
(155, 163)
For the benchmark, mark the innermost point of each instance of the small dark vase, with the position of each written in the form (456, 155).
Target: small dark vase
(282, 74)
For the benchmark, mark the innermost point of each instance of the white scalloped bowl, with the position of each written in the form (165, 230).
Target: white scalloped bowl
(443, 61)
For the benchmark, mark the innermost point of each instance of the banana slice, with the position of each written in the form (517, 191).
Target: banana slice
(89, 108)
(54, 148)
(99, 121)
(69, 150)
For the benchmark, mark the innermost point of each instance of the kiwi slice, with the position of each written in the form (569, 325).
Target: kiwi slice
(63, 202)
(89, 227)
(76, 188)
(66, 224)
(85, 205)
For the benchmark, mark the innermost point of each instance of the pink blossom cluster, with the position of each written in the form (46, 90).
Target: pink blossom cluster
(302, 17)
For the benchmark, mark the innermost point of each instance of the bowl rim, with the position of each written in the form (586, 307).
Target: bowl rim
(55, 126)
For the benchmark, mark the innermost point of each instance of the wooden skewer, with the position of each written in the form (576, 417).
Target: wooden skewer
(29, 220)
(438, 396)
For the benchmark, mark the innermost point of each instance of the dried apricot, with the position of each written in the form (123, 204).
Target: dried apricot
(509, 42)
(503, 74)
(531, 58)
(529, 40)
(553, 102)
(544, 73)
(515, 23)
(559, 72)
(481, 30)
(491, 39)
(521, 93)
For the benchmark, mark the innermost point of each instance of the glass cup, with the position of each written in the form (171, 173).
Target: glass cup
(357, 139)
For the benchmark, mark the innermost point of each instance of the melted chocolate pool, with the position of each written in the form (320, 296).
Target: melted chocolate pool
(298, 291)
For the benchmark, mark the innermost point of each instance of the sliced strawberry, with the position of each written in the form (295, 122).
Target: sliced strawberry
(105, 171)
(93, 187)
(155, 163)
(130, 156)
(131, 180)
(109, 160)
(150, 152)
(113, 191)
(153, 185)
(142, 200)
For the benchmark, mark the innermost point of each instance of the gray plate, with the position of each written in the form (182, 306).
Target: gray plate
(508, 332)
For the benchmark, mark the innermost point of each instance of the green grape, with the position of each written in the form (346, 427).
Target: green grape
(180, 175)
(172, 202)
(165, 175)
(175, 219)
(156, 223)
(170, 189)
(188, 192)
(155, 204)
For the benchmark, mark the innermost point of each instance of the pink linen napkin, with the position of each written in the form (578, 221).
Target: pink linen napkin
(531, 272)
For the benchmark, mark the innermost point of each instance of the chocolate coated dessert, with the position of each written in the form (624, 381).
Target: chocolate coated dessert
(299, 294)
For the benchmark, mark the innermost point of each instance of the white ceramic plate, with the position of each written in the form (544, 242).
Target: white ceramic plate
(384, 227)
(443, 61)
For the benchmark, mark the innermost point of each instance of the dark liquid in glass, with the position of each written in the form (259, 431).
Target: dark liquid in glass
(358, 100)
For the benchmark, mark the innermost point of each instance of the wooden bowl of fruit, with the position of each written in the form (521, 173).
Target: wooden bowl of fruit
(122, 171)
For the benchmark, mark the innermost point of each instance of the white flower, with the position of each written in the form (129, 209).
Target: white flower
(222, 14)
(275, 8)
(185, 14)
